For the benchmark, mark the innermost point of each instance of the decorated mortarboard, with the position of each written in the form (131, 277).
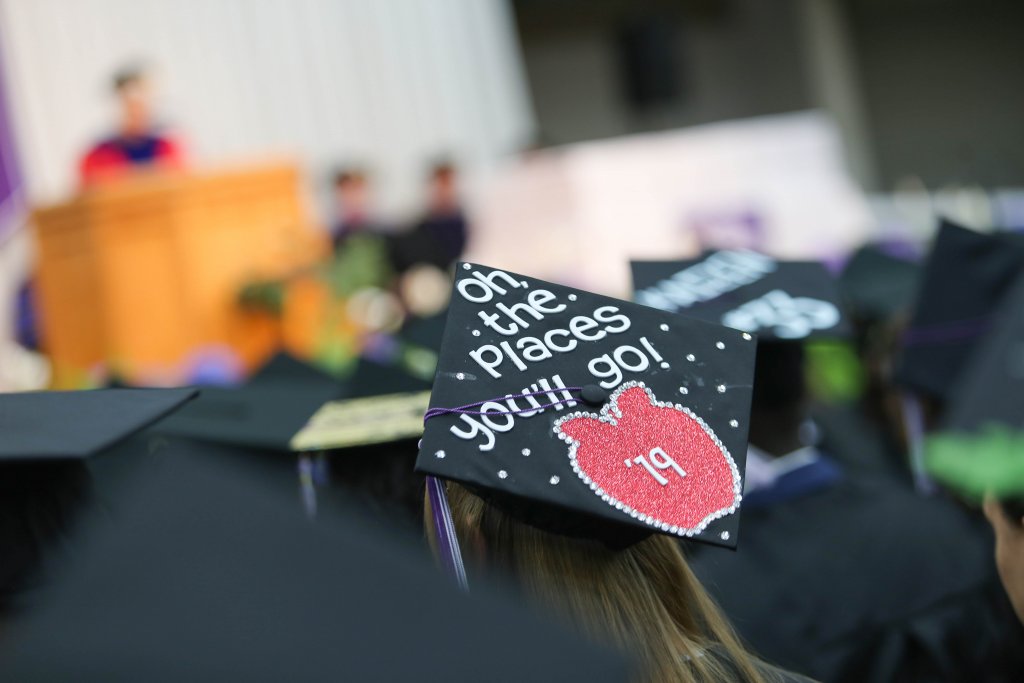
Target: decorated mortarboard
(966, 276)
(589, 416)
(74, 425)
(208, 572)
(748, 291)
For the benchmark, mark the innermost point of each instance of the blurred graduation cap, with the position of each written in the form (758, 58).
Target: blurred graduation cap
(991, 388)
(878, 285)
(745, 290)
(74, 425)
(589, 416)
(279, 400)
(45, 440)
(965, 278)
(206, 575)
(264, 413)
(981, 447)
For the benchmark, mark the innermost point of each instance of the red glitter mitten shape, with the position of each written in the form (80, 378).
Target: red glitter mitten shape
(657, 462)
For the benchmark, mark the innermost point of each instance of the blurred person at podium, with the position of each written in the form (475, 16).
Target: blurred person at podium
(354, 206)
(138, 142)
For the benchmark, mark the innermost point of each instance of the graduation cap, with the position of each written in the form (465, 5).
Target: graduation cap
(991, 388)
(965, 278)
(265, 413)
(878, 285)
(745, 290)
(45, 439)
(589, 416)
(74, 425)
(206, 574)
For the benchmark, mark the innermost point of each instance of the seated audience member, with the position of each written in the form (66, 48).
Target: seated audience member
(138, 143)
(440, 236)
(444, 222)
(354, 206)
(849, 578)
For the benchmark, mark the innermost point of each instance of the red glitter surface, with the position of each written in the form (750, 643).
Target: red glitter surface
(709, 487)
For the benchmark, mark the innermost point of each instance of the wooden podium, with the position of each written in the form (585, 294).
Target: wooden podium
(140, 274)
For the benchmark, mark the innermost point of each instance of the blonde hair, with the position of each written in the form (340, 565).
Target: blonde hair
(643, 598)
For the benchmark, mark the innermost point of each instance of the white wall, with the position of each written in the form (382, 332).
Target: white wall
(390, 83)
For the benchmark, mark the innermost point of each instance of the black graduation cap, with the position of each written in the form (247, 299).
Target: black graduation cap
(745, 290)
(74, 425)
(590, 416)
(206, 574)
(45, 485)
(965, 278)
(878, 285)
(264, 413)
(990, 391)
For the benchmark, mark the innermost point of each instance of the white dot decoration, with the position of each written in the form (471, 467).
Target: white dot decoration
(664, 327)
(526, 451)
(720, 345)
(747, 336)
(554, 480)
(721, 388)
(502, 474)
(466, 266)
(476, 333)
(460, 375)
(724, 535)
(440, 455)
(665, 366)
(683, 390)
(690, 357)
(572, 297)
(734, 423)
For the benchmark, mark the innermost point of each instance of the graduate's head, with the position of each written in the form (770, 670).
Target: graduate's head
(578, 439)
(39, 504)
(780, 401)
(642, 598)
(132, 88)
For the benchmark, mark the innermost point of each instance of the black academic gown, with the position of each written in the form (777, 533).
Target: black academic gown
(862, 580)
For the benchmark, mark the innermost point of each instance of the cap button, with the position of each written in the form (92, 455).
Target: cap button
(593, 394)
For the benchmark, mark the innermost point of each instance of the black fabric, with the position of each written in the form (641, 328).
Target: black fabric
(370, 378)
(707, 368)
(206, 573)
(426, 332)
(866, 581)
(784, 300)
(991, 388)
(264, 413)
(59, 425)
(966, 276)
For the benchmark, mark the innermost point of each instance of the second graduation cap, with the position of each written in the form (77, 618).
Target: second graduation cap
(745, 290)
(590, 416)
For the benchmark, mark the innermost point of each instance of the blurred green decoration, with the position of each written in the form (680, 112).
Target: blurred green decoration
(360, 262)
(834, 373)
(335, 354)
(264, 296)
(976, 464)
(419, 362)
